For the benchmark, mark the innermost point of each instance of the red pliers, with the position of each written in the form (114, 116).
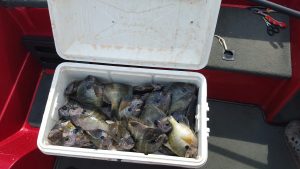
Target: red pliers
(270, 19)
(263, 11)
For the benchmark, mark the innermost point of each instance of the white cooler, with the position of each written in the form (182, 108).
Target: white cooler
(174, 34)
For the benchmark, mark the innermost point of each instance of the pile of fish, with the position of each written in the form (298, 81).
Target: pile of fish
(148, 119)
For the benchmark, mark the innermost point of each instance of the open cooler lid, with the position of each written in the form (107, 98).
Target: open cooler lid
(156, 33)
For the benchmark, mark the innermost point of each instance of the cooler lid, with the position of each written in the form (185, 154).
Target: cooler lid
(155, 33)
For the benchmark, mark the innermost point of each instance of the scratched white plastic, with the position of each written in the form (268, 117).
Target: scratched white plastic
(154, 33)
(67, 72)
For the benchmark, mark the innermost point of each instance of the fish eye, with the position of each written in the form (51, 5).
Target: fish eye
(89, 86)
(187, 147)
(152, 141)
(67, 139)
(168, 124)
(64, 108)
(129, 109)
(76, 131)
(102, 137)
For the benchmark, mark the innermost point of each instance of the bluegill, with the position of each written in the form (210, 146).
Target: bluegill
(182, 140)
(160, 99)
(64, 111)
(181, 104)
(164, 125)
(64, 133)
(142, 89)
(179, 90)
(130, 107)
(55, 136)
(121, 136)
(101, 139)
(88, 119)
(151, 114)
(113, 93)
(88, 92)
(182, 94)
(148, 140)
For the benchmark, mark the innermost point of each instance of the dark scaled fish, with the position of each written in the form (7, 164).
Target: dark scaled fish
(106, 111)
(83, 140)
(130, 107)
(148, 139)
(88, 92)
(191, 112)
(101, 139)
(113, 93)
(166, 151)
(187, 116)
(151, 142)
(69, 134)
(182, 95)
(160, 99)
(66, 134)
(88, 119)
(181, 104)
(142, 89)
(64, 111)
(164, 125)
(55, 136)
(121, 136)
(180, 89)
(71, 89)
(151, 114)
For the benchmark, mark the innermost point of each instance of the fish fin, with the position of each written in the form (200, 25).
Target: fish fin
(191, 112)
(123, 105)
(184, 121)
(98, 90)
(105, 99)
(114, 110)
(168, 146)
(106, 111)
(109, 121)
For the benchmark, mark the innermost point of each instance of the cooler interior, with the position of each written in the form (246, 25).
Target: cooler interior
(68, 72)
(248, 98)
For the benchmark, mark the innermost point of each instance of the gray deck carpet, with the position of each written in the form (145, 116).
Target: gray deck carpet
(256, 51)
(240, 139)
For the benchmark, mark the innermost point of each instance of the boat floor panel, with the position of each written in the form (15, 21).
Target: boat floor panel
(255, 51)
